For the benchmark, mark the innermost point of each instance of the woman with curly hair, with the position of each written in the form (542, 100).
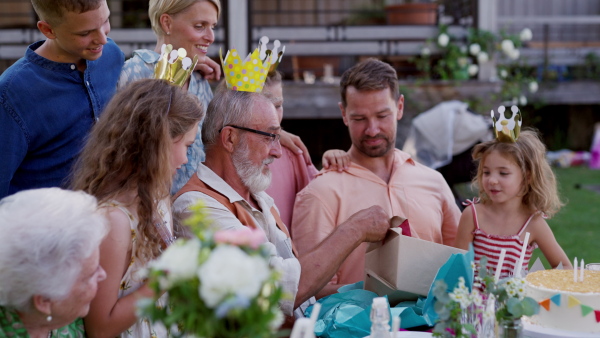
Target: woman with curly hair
(128, 164)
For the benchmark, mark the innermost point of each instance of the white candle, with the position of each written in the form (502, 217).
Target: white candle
(395, 326)
(575, 270)
(519, 265)
(499, 265)
(581, 272)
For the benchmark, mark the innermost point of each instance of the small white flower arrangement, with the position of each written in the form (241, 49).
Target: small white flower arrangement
(463, 59)
(474, 312)
(219, 284)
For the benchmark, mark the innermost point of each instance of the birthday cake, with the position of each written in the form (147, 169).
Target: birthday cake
(564, 303)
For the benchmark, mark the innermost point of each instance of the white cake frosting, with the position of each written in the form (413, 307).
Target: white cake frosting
(564, 303)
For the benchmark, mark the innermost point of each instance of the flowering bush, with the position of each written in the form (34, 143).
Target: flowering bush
(219, 284)
(462, 59)
(466, 314)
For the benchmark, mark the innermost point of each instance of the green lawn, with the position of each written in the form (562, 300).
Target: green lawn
(577, 225)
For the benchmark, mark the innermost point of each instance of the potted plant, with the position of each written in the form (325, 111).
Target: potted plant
(412, 12)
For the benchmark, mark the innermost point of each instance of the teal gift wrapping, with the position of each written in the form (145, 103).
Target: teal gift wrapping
(346, 313)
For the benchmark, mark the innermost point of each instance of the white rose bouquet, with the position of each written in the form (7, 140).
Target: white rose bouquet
(219, 284)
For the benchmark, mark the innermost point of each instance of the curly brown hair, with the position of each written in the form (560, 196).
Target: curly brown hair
(539, 190)
(129, 150)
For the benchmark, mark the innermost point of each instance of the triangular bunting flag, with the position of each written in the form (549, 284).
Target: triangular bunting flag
(597, 316)
(573, 301)
(585, 310)
(556, 299)
(537, 266)
(546, 304)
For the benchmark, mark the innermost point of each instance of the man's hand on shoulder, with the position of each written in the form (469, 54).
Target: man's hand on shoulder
(371, 223)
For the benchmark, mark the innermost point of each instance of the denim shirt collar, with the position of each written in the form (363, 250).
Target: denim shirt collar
(41, 61)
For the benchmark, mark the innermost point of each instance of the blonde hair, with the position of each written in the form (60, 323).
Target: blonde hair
(129, 149)
(172, 7)
(53, 11)
(540, 192)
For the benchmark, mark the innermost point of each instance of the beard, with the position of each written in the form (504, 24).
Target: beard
(378, 150)
(251, 174)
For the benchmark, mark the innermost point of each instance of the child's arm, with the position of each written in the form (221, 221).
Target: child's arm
(110, 315)
(464, 235)
(543, 236)
(336, 160)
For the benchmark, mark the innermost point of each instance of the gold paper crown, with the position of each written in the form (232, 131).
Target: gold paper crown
(174, 66)
(507, 130)
(270, 55)
(250, 75)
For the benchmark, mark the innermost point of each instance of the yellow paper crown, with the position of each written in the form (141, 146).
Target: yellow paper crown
(174, 66)
(507, 130)
(250, 74)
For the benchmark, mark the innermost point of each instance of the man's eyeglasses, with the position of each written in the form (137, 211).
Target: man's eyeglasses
(274, 137)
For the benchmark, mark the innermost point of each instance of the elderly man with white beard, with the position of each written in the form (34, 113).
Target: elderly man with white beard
(241, 137)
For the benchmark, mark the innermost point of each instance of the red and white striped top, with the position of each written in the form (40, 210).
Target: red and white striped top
(490, 246)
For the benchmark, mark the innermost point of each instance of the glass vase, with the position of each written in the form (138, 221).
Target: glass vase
(510, 328)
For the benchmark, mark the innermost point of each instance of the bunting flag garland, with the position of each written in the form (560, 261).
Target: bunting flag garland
(586, 310)
(546, 304)
(573, 301)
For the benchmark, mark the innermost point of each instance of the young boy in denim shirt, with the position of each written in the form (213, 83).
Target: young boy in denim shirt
(50, 98)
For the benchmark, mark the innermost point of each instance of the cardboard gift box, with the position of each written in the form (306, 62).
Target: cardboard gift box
(404, 267)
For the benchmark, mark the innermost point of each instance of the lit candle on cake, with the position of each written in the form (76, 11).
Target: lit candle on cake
(499, 265)
(575, 270)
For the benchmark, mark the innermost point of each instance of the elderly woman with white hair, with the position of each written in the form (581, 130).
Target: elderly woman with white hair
(49, 262)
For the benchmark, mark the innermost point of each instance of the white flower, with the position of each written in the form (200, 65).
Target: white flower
(473, 69)
(522, 100)
(277, 321)
(482, 57)
(476, 298)
(443, 40)
(507, 46)
(180, 261)
(526, 34)
(425, 51)
(474, 49)
(514, 54)
(229, 270)
(463, 61)
(533, 86)
(503, 73)
(461, 294)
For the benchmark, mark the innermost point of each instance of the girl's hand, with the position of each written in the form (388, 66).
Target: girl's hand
(295, 144)
(336, 159)
(210, 69)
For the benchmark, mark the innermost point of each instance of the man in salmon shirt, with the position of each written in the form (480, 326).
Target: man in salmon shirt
(379, 174)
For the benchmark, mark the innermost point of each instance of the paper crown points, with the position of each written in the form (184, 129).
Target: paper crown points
(174, 65)
(270, 55)
(250, 74)
(507, 130)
